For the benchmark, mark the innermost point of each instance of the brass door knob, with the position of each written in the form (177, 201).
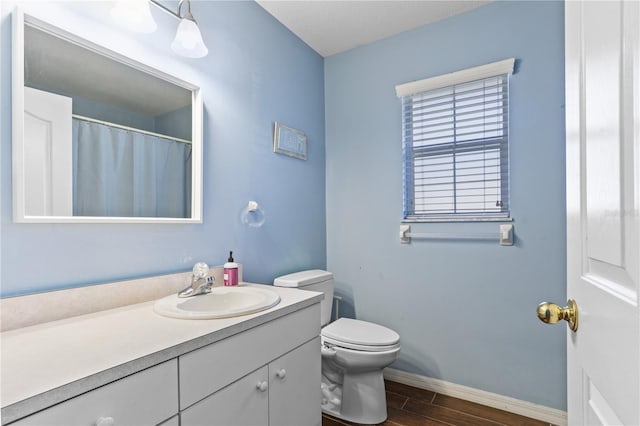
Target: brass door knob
(551, 313)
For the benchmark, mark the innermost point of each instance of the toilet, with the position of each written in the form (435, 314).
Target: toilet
(353, 354)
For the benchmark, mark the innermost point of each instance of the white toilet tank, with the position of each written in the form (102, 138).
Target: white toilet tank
(314, 280)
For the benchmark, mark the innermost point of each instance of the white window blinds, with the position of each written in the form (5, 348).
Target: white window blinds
(456, 145)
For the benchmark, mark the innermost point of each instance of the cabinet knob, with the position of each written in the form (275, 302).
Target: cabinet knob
(105, 421)
(262, 386)
(281, 373)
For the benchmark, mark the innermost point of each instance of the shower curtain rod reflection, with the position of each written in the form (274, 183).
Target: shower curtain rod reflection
(131, 129)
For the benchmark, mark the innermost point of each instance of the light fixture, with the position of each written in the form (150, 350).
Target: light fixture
(134, 15)
(188, 41)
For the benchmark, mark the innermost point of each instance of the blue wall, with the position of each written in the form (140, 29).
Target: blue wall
(257, 72)
(175, 123)
(465, 311)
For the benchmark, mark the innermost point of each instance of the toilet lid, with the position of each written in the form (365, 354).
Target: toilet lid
(360, 334)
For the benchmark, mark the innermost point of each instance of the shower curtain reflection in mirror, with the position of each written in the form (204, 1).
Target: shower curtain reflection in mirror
(124, 173)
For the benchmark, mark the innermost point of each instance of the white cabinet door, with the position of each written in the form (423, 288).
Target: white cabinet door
(242, 403)
(602, 47)
(294, 392)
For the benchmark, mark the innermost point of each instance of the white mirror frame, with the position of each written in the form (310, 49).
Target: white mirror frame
(19, 198)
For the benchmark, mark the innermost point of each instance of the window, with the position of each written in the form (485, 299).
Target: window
(456, 145)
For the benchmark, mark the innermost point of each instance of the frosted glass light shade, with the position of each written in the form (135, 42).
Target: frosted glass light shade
(188, 41)
(134, 15)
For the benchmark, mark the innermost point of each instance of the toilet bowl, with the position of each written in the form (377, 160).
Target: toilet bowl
(354, 352)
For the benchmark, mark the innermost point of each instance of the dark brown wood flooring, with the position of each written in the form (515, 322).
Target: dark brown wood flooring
(409, 406)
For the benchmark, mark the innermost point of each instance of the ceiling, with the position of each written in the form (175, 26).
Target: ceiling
(60, 66)
(334, 26)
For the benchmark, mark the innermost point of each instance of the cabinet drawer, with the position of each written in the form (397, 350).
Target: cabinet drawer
(206, 370)
(145, 398)
(242, 403)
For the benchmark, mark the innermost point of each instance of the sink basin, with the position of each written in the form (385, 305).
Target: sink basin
(222, 302)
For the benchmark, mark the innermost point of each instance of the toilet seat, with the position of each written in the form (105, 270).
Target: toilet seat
(359, 335)
(335, 343)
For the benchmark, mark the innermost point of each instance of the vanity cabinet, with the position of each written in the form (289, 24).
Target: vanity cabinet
(149, 397)
(284, 392)
(278, 364)
(258, 374)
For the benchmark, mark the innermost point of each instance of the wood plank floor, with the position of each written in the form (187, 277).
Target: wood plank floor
(409, 406)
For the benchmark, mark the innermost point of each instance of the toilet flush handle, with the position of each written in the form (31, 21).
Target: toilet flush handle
(327, 351)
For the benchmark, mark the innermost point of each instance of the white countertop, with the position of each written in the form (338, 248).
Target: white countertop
(48, 363)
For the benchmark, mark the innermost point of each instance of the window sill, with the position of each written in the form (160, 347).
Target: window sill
(457, 219)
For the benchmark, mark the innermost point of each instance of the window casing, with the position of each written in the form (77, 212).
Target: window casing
(456, 145)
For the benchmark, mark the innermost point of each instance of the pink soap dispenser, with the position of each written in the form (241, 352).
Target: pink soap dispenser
(230, 271)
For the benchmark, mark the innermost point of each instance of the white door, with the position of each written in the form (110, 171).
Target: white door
(603, 204)
(47, 157)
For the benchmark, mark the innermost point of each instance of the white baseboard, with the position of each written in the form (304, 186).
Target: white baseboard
(501, 402)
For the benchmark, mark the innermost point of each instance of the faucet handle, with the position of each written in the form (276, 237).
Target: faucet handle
(206, 287)
(200, 270)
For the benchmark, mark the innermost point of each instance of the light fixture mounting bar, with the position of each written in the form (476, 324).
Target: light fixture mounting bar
(169, 11)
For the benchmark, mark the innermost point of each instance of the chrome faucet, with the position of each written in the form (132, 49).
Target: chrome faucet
(201, 283)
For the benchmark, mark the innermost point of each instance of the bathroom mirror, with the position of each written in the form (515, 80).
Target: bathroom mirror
(99, 137)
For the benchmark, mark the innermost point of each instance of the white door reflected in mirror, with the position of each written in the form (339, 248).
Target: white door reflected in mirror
(47, 135)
